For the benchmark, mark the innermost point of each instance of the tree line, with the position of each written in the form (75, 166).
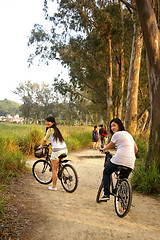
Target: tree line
(40, 101)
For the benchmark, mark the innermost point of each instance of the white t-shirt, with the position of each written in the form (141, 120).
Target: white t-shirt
(56, 145)
(124, 144)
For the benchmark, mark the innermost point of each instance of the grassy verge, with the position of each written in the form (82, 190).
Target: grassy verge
(17, 142)
(145, 180)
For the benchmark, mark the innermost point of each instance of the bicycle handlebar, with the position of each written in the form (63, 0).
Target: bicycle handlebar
(105, 152)
(47, 145)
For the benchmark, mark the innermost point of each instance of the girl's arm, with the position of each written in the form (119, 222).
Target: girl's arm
(135, 148)
(108, 146)
(48, 133)
(43, 143)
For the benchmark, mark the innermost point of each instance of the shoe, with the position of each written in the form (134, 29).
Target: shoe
(104, 198)
(52, 188)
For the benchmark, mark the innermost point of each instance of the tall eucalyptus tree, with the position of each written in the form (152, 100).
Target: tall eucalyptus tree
(89, 52)
(151, 33)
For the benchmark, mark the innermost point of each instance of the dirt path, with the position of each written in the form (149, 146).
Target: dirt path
(60, 215)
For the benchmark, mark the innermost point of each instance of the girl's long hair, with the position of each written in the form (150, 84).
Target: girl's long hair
(120, 124)
(57, 134)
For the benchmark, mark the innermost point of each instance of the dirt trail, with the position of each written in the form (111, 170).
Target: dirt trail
(60, 215)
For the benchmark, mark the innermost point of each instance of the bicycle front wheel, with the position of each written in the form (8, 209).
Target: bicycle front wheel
(69, 178)
(42, 171)
(99, 193)
(123, 198)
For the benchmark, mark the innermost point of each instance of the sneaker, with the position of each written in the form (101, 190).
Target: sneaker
(104, 198)
(52, 188)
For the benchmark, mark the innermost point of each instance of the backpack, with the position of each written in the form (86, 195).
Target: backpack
(104, 132)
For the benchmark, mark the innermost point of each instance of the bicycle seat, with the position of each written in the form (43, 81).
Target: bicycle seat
(122, 167)
(62, 156)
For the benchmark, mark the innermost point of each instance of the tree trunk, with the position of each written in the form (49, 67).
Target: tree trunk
(109, 90)
(151, 35)
(122, 70)
(133, 81)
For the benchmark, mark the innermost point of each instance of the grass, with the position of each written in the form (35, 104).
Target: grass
(145, 180)
(17, 142)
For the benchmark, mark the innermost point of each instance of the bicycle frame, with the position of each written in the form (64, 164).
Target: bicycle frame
(42, 171)
(121, 190)
(60, 163)
(114, 188)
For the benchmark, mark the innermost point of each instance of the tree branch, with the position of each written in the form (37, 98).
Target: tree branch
(129, 5)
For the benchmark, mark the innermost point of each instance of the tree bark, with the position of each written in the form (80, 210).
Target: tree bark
(133, 81)
(122, 70)
(151, 35)
(109, 89)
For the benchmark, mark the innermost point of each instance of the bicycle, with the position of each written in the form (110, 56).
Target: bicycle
(42, 170)
(121, 190)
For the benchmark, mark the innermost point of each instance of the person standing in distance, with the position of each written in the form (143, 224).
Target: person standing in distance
(103, 134)
(125, 154)
(59, 147)
(95, 137)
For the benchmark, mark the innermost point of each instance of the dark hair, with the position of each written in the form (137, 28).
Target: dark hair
(120, 124)
(95, 127)
(57, 134)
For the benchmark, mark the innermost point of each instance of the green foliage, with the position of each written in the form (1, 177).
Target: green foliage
(145, 180)
(2, 201)
(77, 138)
(12, 161)
(9, 107)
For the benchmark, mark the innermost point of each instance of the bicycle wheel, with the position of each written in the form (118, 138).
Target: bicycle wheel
(99, 193)
(42, 171)
(69, 178)
(123, 198)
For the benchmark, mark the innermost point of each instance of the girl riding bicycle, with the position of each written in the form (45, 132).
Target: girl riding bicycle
(59, 147)
(125, 154)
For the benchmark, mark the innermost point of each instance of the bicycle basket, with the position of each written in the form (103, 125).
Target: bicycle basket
(39, 152)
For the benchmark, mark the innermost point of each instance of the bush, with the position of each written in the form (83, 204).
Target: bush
(12, 162)
(145, 180)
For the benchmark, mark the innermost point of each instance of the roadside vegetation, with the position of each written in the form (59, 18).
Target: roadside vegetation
(145, 180)
(16, 145)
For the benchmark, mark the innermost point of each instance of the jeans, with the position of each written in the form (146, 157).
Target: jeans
(102, 141)
(108, 170)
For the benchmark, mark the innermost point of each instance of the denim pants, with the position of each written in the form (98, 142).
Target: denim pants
(102, 141)
(108, 170)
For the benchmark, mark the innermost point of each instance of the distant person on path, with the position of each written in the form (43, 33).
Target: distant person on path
(125, 154)
(59, 147)
(103, 134)
(95, 137)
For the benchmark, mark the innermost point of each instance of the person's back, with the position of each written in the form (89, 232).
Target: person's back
(95, 137)
(124, 144)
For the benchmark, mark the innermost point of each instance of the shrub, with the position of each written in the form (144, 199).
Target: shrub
(145, 180)
(12, 162)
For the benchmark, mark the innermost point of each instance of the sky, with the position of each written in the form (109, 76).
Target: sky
(17, 18)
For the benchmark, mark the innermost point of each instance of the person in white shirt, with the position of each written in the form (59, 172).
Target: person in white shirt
(125, 154)
(59, 147)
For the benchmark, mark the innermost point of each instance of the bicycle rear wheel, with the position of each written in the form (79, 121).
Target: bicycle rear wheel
(99, 193)
(69, 178)
(42, 171)
(123, 198)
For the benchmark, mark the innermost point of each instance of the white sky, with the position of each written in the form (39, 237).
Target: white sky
(17, 18)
